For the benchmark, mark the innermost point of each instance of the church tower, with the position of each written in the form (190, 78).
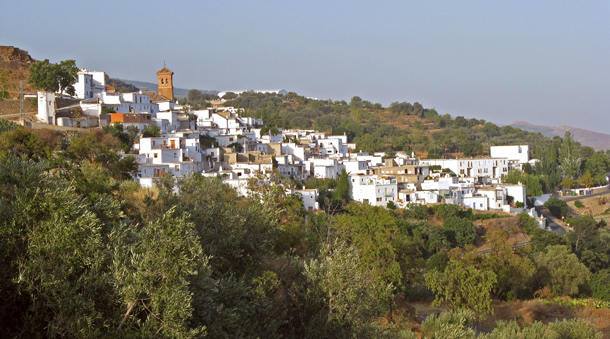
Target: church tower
(166, 83)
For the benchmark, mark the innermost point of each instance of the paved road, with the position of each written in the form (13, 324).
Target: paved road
(554, 224)
(557, 225)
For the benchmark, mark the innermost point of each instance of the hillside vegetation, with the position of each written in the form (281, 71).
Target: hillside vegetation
(564, 163)
(86, 252)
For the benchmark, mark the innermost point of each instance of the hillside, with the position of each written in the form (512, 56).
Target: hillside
(14, 67)
(599, 141)
(88, 252)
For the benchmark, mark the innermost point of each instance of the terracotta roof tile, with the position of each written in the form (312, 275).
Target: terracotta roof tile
(155, 97)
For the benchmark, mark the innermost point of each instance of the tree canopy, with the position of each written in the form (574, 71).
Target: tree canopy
(54, 77)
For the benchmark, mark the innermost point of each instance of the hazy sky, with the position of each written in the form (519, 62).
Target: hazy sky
(545, 62)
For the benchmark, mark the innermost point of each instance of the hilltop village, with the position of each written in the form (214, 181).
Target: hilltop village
(218, 141)
(145, 213)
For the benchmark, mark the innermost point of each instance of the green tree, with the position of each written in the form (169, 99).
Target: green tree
(569, 156)
(586, 180)
(151, 130)
(23, 142)
(151, 269)
(67, 73)
(230, 96)
(342, 190)
(462, 286)
(560, 270)
(513, 271)
(533, 183)
(558, 207)
(63, 264)
(371, 229)
(352, 293)
(460, 231)
(54, 77)
(600, 285)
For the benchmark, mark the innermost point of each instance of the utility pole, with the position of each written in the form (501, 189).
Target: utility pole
(21, 103)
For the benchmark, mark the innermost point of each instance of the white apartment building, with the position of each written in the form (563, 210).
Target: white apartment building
(89, 84)
(373, 189)
(487, 167)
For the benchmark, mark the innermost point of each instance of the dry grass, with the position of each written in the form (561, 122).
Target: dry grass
(598, 317)
(510, 226)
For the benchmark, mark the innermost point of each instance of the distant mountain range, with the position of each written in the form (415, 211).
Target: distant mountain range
(149, 86)
(599, 141)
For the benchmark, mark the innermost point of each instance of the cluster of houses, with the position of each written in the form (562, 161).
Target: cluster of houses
(220, 142)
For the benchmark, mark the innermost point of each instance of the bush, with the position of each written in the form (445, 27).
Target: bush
(572, 328)
(578, 204)
(527, 223)
(558, 207)
(444, 211)
(417, 211)
(449, 324)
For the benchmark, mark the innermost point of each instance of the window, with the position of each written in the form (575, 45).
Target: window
(155, 155)
(378, 199)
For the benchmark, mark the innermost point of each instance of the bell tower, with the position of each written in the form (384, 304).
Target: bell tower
(166, 83)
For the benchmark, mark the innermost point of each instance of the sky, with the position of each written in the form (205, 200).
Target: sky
(544, 62)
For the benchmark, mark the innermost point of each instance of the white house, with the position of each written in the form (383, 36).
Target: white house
(477, 202)
(310, 199)
(355, 166)
(324, 168)
(373, 189)
(46, 107)
(516, 191)
(519, 153)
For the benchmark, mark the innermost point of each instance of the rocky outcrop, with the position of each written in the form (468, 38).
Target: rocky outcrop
(10, 53)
